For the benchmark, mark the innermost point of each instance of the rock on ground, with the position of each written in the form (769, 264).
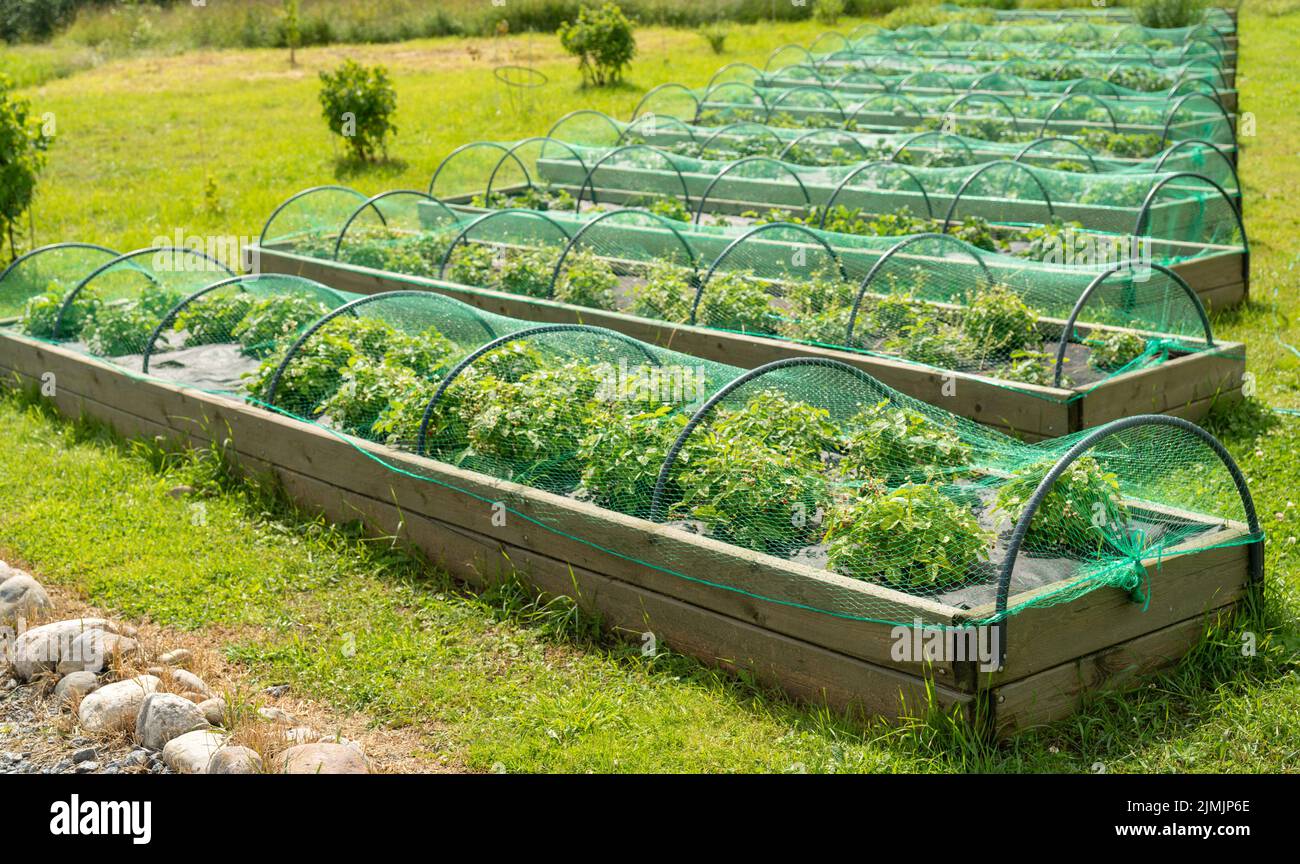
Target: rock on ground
(115, 706)
(214, 711)
(322, 758)
(234, 760)
(164, 716)
(190, 753)
(75, 686)
(21, 596)
(40, 649)
(95, 651)
(177, 657)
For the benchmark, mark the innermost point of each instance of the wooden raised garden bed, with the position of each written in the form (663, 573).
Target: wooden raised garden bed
(1186, 385)
(1054, 654)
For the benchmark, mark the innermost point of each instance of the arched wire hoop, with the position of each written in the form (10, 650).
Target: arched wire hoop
(495, 214)
(978, 84)
(761, 229)
(1177, 106)
(868, 103)
(733, 127)
(1068, 330)
(1069, 97)
(1145, 212)
(372, 203)
(261, 238)
(1080, 82)
(636, 112)
(350, 309)
(956, 199)
(1039, 142)
(422, 437)
(240, 281)
(129, 258)
(589, 181)
(762, 100)
(474, 145)
(613, 124)
(882, 166)
(815, 133)
(713, 79)
(665, 470)
(52, 247)
(670, 224)
(898, 247)
(1015, 123)
(808, 56)
(931, 133)
(492, 178)
(704, 199)
(807, 88)
(1197, 142)
(1082, 446)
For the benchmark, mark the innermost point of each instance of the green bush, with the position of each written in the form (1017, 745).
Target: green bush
(602, 41)
(211, 319)
(41, 313)
(473, 264)
(913, 538)
(529, 271)
(358, 103)
(828, 11)
(623, 454)
(23, 143)
(272, 319)
(665, 293)
(737, 301)
(716, 35)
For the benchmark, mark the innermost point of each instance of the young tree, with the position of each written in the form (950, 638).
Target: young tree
(602, 41)
(358, 102)
(23, 142)
(292, 30)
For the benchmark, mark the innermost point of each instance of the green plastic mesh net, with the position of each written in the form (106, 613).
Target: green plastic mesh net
(805, 482)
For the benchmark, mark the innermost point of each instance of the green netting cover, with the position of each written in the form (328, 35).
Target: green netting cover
(805, 482)
(1035, 323)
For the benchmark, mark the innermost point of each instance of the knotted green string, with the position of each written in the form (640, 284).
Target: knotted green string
(1134, 578)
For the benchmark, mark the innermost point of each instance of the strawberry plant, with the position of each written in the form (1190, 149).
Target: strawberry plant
(41, 313)
(587, 281)
(913, 538)
(473, 264)
(117, 329)
(896, 445)
(1082, 509)
(997, 322)
(622, 454)
(737, 301)
(667, 293)
(670, 208)
(272, 319)
(1033, 367)
(1115, 350)
(528, 271)
(317, 367)
(774, 420)
(212, 319)
(931, 341)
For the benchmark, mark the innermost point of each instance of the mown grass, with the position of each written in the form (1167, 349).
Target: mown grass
(497, 681)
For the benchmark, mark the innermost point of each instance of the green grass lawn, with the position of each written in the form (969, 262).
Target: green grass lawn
(495, 681)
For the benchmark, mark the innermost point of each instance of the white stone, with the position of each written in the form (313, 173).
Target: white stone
(76, 685)
(234, 760)
(95, 651)
(276, 715)
(214, 710)
(177, 657)
(39, 649)
(21, 596)
(115, 706)
(190, 753)
(164, 716)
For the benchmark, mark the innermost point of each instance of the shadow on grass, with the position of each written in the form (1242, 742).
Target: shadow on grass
(349, 167)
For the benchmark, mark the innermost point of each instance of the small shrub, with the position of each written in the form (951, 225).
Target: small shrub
(41, 313)
(771, 418)
(913, 538)
(23, 143)
(716, 35)
(670, 208)
(272, 319)
(828, 11)
(1082, 509)
(1034, 367)
(210, 319)
(602, 41)
(473, 264)
(622, 455)
(358, 103)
